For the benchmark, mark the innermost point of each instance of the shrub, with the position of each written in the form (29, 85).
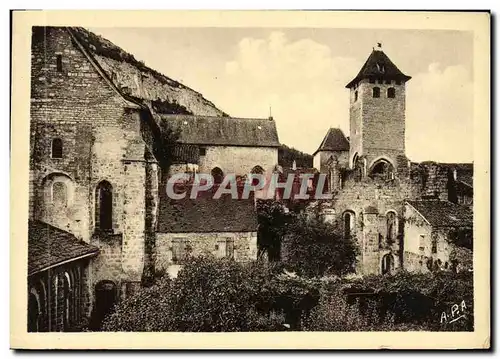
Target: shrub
(315, 248)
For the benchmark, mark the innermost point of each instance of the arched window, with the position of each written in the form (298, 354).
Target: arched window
(357, 166)
(59, 194)
(349, 218)
(257, 170)
(391, 227)
(376, 92)
(57, 148)
(387, 264)
(217, 175)
(104, 206)
(391, 92)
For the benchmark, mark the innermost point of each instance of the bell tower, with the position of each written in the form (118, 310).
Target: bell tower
(377, 113)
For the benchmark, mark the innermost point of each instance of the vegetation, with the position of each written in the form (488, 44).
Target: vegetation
(215, 295)
(404, 301)
(219, 295)
(314, 248)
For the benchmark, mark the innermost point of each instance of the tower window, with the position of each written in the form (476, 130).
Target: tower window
(356, 96)
(59, 63)
(203, 151)
(391, 92)
(57, 148)
(376, 92)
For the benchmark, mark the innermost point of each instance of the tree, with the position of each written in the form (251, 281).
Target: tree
(314, 248)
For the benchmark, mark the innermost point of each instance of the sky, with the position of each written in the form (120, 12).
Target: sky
(299, 75)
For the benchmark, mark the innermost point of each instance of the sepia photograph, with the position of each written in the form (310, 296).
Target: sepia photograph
(287, 178)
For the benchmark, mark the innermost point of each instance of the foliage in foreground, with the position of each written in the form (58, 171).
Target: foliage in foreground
(214, 295)
(401, 302)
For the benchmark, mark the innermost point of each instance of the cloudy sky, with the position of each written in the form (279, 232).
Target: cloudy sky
(301, 74)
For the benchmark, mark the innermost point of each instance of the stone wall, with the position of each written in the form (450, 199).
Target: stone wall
(245, 246)
(370, 200)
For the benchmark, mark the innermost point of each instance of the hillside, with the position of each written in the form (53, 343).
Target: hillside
(286, 156)
(136, 79)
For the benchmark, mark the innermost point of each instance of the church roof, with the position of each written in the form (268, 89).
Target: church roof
(205, 214)
(334, 140)
(378, 65)
(49, 246)
(223, 131)
(443, 213)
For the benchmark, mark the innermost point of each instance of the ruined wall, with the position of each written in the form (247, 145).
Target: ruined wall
(245, 247)
(371, 200)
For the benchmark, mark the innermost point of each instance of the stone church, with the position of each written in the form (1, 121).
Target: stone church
(386, 202)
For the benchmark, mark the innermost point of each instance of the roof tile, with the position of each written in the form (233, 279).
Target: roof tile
(48, 246)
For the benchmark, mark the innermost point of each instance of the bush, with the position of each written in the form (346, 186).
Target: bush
(314, 248)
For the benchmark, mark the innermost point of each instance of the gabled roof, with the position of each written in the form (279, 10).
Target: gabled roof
(334, 140)
(205, 214)
(378, 65)
(443, 213)
(49, 246)
(223, 131)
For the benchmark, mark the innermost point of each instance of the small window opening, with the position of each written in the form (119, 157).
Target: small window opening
(59, 63)
(356, 96)
(391, 92)
(376, 92)
(203, 151)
